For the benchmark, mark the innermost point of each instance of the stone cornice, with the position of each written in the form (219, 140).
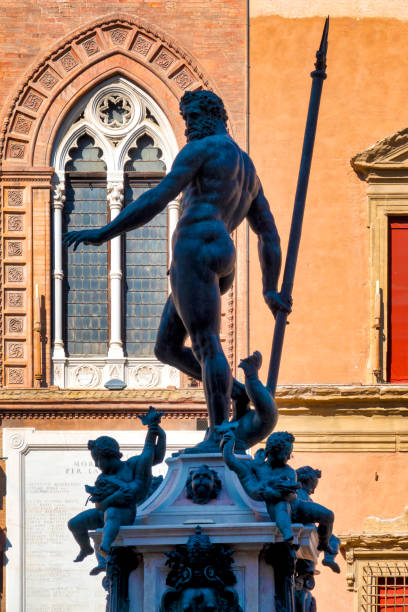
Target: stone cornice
(317, 400)
(374, 541)
(385, 157)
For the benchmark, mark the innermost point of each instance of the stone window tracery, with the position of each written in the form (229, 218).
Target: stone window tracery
(113, 145)
(116, 111)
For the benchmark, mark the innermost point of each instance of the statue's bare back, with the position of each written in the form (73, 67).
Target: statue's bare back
(220, 189)
(214, 203)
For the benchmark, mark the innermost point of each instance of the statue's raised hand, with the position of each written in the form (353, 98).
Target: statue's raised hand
(276, 301)
(92, 236)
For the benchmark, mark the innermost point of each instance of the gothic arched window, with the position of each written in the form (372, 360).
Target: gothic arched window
(114, 145)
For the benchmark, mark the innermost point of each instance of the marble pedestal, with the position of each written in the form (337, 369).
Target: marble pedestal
(169, 518)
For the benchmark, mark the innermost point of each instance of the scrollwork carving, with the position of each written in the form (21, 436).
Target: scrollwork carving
(118, 36)
(15, 325)
(32, 101)
(15, 299)
(22, 124)
(14, 223)
(91, 46)
(68, 61)
(15, 376)
(15, 197)
(15, 274)
(16, 150)
(15, 350)
(14, 248)
(142, 44)
(48, 80)
(164, 59)
(183, 79)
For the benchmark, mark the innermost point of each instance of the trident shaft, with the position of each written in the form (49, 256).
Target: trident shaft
(318, 76)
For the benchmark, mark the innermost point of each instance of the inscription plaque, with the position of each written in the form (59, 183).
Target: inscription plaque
(54, 490)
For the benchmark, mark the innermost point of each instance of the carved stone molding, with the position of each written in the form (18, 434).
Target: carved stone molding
(14, 223)
(385, 155)
(14, 376)
(59, 196)
(91, 46)
(145, 376)
(86, 376)
(15, 197)
(49, 79)
(115, 191)
(371, 555)
(14, 274)
(15, 299)
(14, 350)
(14, 248)
(14, 324)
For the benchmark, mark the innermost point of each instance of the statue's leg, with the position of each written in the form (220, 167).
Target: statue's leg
(310, 512)
(283, 520)
(197, 298)
(170, 349)
(79, 525)
(114, 518)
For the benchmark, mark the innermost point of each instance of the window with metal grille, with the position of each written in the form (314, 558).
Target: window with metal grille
(385, 587)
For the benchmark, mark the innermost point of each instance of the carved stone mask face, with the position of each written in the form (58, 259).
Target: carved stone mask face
(202, 484)
(198, 600)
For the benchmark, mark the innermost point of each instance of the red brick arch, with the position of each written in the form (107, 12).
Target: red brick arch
(117, 44)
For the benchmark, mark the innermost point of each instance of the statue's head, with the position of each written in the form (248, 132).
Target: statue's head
(279, 447)
(105, 451)
(308, 478)
(203, 484)
(204, 112)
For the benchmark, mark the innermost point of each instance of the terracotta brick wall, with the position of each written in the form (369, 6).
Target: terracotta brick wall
(213, 31)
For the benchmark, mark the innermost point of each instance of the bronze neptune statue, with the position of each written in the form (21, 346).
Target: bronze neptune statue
(220, 189)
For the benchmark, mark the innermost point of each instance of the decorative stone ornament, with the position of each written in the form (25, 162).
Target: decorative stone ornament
(200, 577)
(115, 110)
(203, 484)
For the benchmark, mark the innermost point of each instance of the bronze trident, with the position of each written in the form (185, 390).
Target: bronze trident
(318, 76)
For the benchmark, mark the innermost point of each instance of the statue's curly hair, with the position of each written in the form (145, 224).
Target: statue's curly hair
(306, 472)
(105, 446)
(278, 441)
(206, 101)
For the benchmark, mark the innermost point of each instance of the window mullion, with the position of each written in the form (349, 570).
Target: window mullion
(115, 202)
(58, 278)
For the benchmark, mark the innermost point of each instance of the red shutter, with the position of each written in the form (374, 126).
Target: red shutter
(392, 595)
(398, 300)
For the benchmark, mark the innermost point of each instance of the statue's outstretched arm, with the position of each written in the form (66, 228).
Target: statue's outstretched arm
(262, 223)
(150, 203)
